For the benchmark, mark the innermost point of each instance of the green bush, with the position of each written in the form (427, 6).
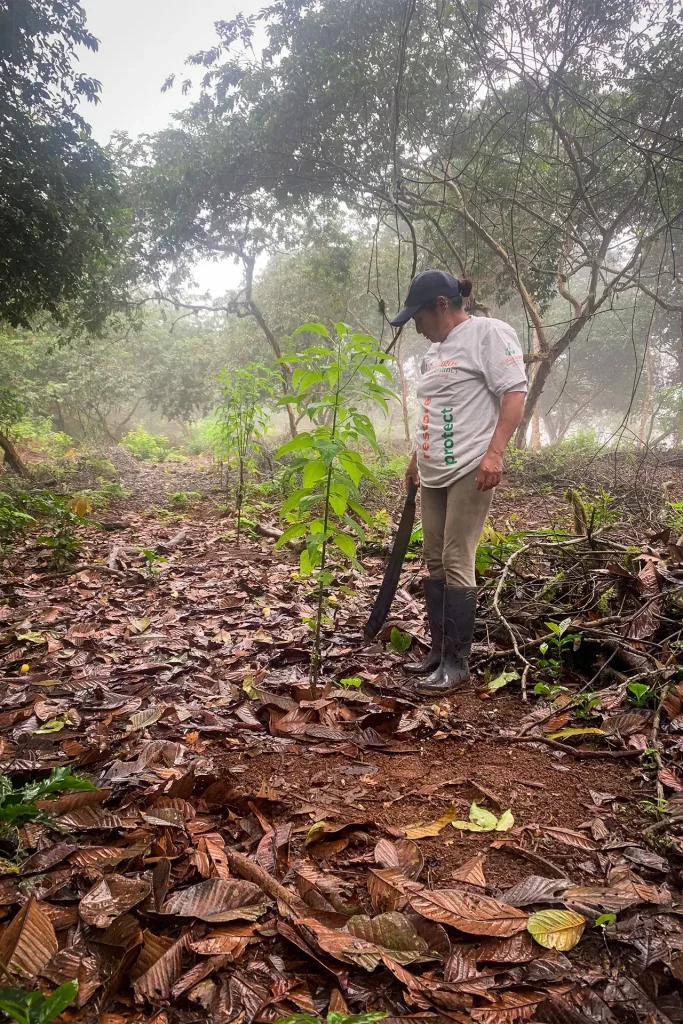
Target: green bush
(100, 467)
(38, 433)
(554, 459)
(13, 521)
(145, 446)
(385, 473)
(184, 499)
(203, 437)
(109, 490)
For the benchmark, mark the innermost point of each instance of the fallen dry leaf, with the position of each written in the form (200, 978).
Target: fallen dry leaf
(110, 898)
(420, 831)
(28, 942)
(476, 915)
(217, 900)
(472, 871)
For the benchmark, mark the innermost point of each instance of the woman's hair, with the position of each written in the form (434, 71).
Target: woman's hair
(456, 303)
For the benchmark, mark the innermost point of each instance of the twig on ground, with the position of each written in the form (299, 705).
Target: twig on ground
(656, 746)
(582, 755)
(496, 607)
(535, 858)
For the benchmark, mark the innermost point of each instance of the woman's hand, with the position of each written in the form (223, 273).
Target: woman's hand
(412, 472)
(490, 471)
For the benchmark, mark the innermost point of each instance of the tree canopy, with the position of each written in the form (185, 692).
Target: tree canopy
(57, 187)
(535, 147)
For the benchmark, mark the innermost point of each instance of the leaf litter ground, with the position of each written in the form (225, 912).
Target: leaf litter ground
(246, 853)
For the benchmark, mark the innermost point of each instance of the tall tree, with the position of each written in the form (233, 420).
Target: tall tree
(535, 146)
(57, 189)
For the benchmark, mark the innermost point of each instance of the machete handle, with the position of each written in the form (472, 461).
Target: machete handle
(412, 492)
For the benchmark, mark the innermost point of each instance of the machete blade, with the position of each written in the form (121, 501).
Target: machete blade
(382, 604)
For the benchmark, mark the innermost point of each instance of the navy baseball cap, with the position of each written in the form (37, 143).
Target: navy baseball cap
(424, 288)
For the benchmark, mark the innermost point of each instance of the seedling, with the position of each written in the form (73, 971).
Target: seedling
(550, 692)
(653, 807)
(352, 683)
(640, 695)
(153, 559)
(33, 1007)
(559, 637)
(242, 421)
(648, 758)
(399, 641)
(584, 705)
(329, 384)
(605, 921)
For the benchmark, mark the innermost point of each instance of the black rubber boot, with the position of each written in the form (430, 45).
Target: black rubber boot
(459, 611)
(433, 591)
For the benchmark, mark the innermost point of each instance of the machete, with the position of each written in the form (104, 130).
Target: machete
(382, 604)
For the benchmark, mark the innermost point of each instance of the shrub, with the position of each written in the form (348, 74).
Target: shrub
(38, 433)
(145, 446)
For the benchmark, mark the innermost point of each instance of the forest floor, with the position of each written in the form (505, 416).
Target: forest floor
(251, 852)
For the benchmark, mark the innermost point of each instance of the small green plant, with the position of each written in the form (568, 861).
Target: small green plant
(381, 524)
(182, 500)
(648, 759)
(585, 704)
(13, 521)
(416, 535)
(145, 446)
(640, 695)
(495, 548)
(559, 637)
(605, 921)
(66, 515)
(153, 559)
(653, 807)
(165, 515)
(100, 467)
(400, 642)
(99, 497)
(352, 683)
(242, 421)
(549, 691)
(329, 383)
(32, 1007)
(17, 806)
(551, 666)
(674, 518)
(333, 1018)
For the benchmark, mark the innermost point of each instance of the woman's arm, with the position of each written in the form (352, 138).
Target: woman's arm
(491, 468)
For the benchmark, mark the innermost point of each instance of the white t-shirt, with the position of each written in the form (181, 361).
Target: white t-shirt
(463, 380)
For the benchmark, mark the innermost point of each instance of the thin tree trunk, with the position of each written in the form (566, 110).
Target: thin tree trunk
(535, 391)
(12, 457)
(647, 399)
(535, 421)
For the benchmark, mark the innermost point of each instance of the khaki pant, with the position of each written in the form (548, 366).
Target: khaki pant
(452, 520)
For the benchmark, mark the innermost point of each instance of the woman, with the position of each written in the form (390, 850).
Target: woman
(471, 395)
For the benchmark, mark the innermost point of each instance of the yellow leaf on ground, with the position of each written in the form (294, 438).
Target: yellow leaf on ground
(556, 929)
(564, 734)
(421, 831)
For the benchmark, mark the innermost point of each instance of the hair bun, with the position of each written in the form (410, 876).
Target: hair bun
(465, 287)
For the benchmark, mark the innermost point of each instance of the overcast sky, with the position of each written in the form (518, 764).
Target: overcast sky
(141, 43)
